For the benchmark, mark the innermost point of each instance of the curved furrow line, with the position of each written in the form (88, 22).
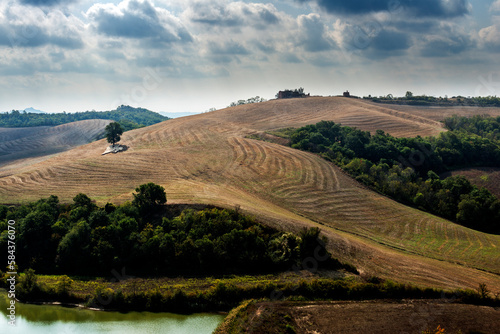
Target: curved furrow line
(488, 242)
(307, 168)
(288, 163)
(171, 135)
(309, 194)
(197, 136)
(467, 248)
(296, 193)
(262, 156)
(184, 135)
(251, 154)
(156, 137)
(43, 174)
(477, 248)
(424, 224)
(281, 165)
(17, 181)
(328, 177)
(458, 244)
(175, 135)
(149, 137)
(50, 172)
(237, 146)
(6, 181)
(298, 198)
(273, 166)
(272, 163)
(33, 178)
(181, 171)
(399, 231)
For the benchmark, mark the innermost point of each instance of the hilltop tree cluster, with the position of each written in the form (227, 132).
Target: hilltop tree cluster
(423, 100)
(256, 99)
(290, 93)
(128, 117)
(407, 168)
(142, 236)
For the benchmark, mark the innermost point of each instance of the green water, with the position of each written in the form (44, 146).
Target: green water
(50, 319)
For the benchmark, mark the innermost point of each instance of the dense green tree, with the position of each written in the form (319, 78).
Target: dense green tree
(405, 168)
(128, 117)
(149, 197)
(74, 250)
(113, 132)
(35, 241)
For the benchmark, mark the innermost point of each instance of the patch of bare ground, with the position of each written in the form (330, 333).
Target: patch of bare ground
(211, 159)
(405, 316)
(487, 177)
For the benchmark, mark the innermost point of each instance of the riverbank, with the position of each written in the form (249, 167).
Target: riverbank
(180, 295)
(47, 319)
(221, 294)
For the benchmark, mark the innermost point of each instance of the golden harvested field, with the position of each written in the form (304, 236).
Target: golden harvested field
(42, 141)
(207, 159)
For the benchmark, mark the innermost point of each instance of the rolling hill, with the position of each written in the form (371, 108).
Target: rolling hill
(40, 141)
(208, 158)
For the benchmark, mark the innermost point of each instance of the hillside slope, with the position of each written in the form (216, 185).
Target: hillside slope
(207, 158)
(22, 143)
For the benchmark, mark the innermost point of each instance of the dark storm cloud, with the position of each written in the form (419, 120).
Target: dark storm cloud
(139, 20)
(33, 36)
(411, 26)
(441, 47)
(420, 8)
(391, 41)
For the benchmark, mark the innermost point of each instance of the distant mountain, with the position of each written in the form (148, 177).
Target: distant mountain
(34, 111)
(129, 117)
(177, 114)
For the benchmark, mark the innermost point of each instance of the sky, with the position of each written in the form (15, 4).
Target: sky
(194, 55)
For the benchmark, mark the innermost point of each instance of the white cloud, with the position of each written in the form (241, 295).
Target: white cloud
(495, 7)
(313, 34)
(138, 19)
(489, 37)
(22, 26)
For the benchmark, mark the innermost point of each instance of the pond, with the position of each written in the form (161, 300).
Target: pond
(53, 319)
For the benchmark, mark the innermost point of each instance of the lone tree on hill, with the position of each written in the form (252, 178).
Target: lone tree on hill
(113, 132)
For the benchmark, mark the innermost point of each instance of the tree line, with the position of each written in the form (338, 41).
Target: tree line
(406, 169)
(128, 117)
(423, 100)
(146, 238)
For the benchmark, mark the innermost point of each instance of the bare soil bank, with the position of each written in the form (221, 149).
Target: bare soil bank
(406, 316)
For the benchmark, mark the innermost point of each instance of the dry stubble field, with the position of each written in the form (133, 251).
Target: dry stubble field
(22, 145)
(207, 158)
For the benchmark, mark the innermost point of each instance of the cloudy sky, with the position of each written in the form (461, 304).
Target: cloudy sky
(192, 55)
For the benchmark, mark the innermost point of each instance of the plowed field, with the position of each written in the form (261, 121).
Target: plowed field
(208, 158)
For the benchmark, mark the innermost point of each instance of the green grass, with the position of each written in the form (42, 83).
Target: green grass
(282, 133)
